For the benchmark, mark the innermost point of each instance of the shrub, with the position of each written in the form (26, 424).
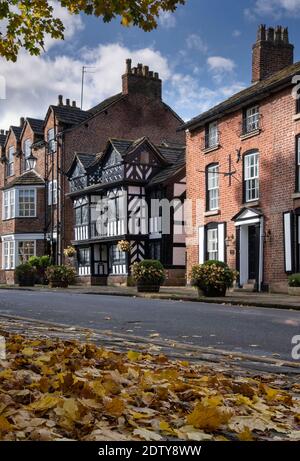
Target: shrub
(25, 274)
(148, 272)
(213, 277)
(294, 280)
(60, 276)
(70, 251)
(40, 263)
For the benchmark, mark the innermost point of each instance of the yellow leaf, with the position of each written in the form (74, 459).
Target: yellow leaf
(5, 426)
(45, 403)
(145, 434)
(165, 427)
(134, 356)
(115, 407)
(28, 351)
(71, 409)
(208, 417)
(246, 435)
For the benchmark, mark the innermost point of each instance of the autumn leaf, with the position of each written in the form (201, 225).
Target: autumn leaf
(246, 435)
(5, 426)
(46, 402)
(114, 407)
(208, 417)
(147, 435)
(134, 356)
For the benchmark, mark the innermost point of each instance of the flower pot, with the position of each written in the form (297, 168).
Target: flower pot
(27, 280)
(58, 284)
(144, 287)
(212, 292)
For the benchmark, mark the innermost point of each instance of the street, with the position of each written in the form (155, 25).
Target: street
(256, 331)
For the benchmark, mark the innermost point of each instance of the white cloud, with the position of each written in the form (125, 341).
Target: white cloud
(167, 19)
(220, 64)
(236, 33)
(195, 42)
(273, 8)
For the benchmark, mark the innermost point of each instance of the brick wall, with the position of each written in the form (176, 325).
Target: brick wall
(276, 146)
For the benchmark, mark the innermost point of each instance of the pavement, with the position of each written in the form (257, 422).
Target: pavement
(276, 301)
(245, 331)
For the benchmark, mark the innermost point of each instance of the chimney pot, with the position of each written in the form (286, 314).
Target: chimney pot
(261, 33)
(140, 69)
(73, 103)
(22, 121)
(278, 34)
(60, 100)
(270, 34)
(285, 35)
(151, 73)
(146, 71)
(68, 102)
(128, 66)
(156, 75)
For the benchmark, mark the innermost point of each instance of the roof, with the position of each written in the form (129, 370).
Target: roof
(70, 115)
(29, 178)
(166, 174)
(256, 91)
(106, 103)
(2, 139)
(17, 130)
(86, 159)
(122, 145)
(172, 153)
(37, 125)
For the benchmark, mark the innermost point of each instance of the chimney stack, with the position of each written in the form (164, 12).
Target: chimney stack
(68, 102)
(22, 121)
(60, 100)
(73, 103)
(141, 80)
(271, 53)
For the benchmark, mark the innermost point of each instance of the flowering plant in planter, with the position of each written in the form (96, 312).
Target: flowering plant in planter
(124, 246)
(60, 276)
(40, 264)
(213, 278)
(149, 275)
(70, 251)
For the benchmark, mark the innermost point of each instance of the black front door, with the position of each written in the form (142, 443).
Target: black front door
(253, 252)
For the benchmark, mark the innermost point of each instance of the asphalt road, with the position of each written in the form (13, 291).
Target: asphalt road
(261, 331)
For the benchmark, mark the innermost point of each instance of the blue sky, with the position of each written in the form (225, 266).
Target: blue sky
(203, 53)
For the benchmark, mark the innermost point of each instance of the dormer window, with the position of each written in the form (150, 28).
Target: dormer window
(10, 161)
(211, 135)
(51, 141)
(27, 153)
(251, 120)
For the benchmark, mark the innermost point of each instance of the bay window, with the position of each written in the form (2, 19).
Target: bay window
(26, 249)
(19, 203)
(251, 176)
(212, 187)
(10, 161)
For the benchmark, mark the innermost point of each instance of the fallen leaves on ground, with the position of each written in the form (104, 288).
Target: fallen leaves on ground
(67, 390)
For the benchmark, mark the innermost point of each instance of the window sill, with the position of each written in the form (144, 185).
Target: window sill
(254, 203)
(207, 214)
(296, 117)
(296, 195)
(207, 150)
(251, 134)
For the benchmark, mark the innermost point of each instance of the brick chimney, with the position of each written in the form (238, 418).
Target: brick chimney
(271, 53)
(141, 80)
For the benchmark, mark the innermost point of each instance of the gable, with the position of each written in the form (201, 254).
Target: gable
(246, 214)
(112, 158)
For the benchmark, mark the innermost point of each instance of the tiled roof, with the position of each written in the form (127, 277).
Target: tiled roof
(121, 145)
(257, 91)
(29, 178)
(105, 104)
(172, 154)
(166, 174)
(17, 130)
(70, 115)
(86, 159)
(36, 125)
(2, 139)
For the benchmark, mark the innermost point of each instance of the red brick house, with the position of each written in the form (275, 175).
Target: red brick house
(37, 214)
(243, 165)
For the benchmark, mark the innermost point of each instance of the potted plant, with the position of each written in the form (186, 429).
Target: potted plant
(26, 275)
(294, 285)
(212, 278)
(60, 276)
(40, 264)
(124, 245)
(149, 275)
(70, 251)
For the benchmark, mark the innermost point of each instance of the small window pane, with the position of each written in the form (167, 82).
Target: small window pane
(213, 187)
(25, 251)
(252, 119)
(27, 203)
(212, 244)
(251, 173)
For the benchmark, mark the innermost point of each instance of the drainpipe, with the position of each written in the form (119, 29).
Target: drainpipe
(261, 254)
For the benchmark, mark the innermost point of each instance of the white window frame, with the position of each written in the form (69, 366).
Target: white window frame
(51, 140)
(212, 135)
(212, 244)
(8, 254)
(27, 152)
(252, 118)
(10, 248)
(251, 176)
(213, 187)
(11, 203)
(52, 192)
(10, 171)
(33, 215)
(17, 247)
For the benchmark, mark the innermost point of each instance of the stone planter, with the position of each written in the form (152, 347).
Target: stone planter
(294, 291)
(58, 284)
(143, 287)
(212, 292)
